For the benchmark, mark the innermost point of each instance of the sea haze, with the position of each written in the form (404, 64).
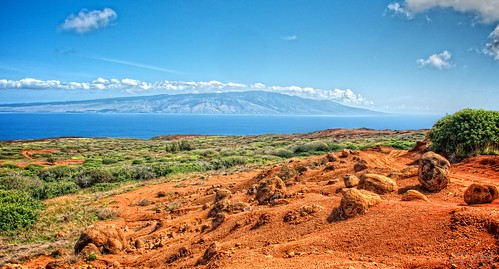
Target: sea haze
(147, 125)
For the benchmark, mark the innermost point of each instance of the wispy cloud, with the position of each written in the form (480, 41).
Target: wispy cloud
(487, 11)
(133, 85)
(440, 61)
(290, 38)
(492, 46)
(86, 21)
(122, 62)
(398, 9)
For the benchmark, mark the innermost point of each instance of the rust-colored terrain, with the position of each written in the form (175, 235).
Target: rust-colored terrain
(169, 225)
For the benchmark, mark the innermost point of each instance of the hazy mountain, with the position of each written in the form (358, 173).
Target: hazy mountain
(251, 102)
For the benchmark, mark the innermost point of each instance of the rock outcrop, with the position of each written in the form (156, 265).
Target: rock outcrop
(377, 183)
(107, 238)
(433, 172)
(480, 194)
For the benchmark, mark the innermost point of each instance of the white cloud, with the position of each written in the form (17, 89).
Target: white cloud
(492, 46)
(133, 85)
(87, 21)
(440, 61)
(397, 8)
(487, 11)
(290, 37)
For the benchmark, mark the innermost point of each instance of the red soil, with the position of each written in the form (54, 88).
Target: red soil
(444, 233)
(29, 153)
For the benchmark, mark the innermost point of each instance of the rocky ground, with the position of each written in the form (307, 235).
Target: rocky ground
(296, 216)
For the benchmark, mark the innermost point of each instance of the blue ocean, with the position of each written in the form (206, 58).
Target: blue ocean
(143, 125)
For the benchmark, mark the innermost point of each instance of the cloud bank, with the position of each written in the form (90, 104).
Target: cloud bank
(133, 85)
(487, 11)
(87, 21)
(440, 61)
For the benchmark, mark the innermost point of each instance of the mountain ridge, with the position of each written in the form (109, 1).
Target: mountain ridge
(247, 102)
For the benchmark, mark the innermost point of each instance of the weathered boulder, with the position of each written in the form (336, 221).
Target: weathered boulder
(228, 207)
(360, 165)
(411, 195)
(270, 189)
(356, 202)
(106, 237)
(433, 171)
(410, 171)
(331, 157)
(345, 153)
(480, 194)
(221, 194)
(377, 183)
(351, 181)
(218, 219)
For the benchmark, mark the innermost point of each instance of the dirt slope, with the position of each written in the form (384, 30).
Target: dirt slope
(442, 233)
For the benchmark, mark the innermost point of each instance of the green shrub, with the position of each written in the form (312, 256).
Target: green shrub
(17, 209)
(88, 178)
(54, 189)
(21, 182)
(109, 161)
(466, 133)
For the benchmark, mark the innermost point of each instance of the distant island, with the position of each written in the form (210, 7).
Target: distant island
(249, 102)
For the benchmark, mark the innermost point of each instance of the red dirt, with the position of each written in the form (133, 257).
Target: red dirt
(29, 153)
(395, 234)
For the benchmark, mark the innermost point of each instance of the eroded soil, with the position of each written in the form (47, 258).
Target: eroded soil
(442, 233)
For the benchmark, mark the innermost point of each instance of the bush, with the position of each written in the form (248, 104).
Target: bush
(17, 209)
(19, 181)
(54, 189)
(88, 178)
(466, 133)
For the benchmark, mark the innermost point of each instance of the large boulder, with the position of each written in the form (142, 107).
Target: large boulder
(433, 171)
(480, 194)
(377, 183)
(270, 189)
(356, 202)
(108, 238)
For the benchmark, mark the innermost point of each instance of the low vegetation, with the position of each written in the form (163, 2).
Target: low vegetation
(466, 133)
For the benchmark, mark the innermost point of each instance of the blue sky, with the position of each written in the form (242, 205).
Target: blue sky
(413, 56)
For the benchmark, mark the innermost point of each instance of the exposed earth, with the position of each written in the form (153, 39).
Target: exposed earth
(179, 225)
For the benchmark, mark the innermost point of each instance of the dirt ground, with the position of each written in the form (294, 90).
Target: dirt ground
(173, 218)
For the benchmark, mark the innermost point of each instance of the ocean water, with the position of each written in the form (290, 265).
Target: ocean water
(45, 125)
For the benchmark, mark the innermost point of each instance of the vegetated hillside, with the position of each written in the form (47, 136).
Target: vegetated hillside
(251, 102)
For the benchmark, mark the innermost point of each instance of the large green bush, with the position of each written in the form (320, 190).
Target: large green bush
(17, 209)
(468, 132)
